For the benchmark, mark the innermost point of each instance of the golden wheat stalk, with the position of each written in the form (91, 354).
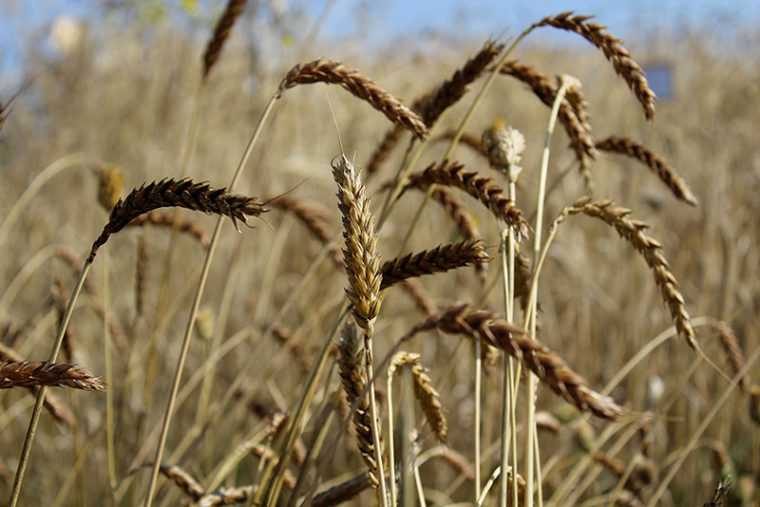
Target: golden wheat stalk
(327, 71)
(657, 164)
(183, 193)
(611, 46)
(27, 374)
(221, 33)
(549, 367)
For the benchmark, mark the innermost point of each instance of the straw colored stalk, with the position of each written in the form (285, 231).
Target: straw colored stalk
(611, 46)
(577, 130)
(666, 173)
(733, 349)
(183, 193)
(52, 404)
(491, 196)
(160, 219)
(27, 374)
(353, 376)
(438, 260)
(633, 232)
(59, 297)
(549, 367)
(221, 33)
(227, 496)
(343, 492)
(423, 391)
(327, 71)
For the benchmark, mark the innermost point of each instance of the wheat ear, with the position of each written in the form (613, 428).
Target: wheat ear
(733, 349)
(657, 164)
(576, 124)
(343, 492)
(549, 367)
(227, 496)
(26, 374)
(423, 391)
(438, 260)
(633, 232)
(327, 71)
(51, 403)
(482, 189)
(613, 50)
(183, 193)
(221, 33)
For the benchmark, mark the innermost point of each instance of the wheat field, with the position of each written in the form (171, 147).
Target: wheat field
(500, 273)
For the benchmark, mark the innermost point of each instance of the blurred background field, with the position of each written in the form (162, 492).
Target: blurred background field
(114, 82)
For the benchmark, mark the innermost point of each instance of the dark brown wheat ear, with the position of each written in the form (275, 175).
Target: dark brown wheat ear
(613, 50)
(491, 196)
(438, 260)
(658, 165)
(183, 193)
(221, 33)
(549, 367)
(327, 71)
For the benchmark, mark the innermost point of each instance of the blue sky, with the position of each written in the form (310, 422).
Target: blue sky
(382, 20)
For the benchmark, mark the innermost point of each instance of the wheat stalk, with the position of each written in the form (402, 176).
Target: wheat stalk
(28, 374)
(657, 164)
(221, 33)
(183, 193)
(482, 189)
(549, 367)
(438, 260)
(613, 50)
(327, 71)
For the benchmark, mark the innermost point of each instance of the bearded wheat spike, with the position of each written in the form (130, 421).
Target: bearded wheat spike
(361, 260)
(327, 71)
(423, 391)
(353, 376)
(183, 193)
(221, 33)
(654, 162)
(438, 260)
(183, 480)
(633, 232)
(576, 125)
(343, 492)
(490, 195)
(227, 496)
(613, 50)
(549, 367)
(52, 404)
(26, 374)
